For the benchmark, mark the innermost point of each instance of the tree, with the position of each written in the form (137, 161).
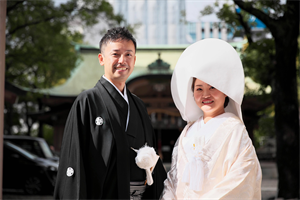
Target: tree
(283, 23)
(40, 51)
(275, 67)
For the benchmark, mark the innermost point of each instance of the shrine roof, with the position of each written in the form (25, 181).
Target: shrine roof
(87, 73)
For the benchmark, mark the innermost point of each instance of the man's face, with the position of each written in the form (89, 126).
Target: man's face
(118, 59)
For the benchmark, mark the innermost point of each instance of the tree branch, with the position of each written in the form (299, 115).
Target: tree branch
(28, 24)
(66, 10)
(293, 7)
(246, 28)
(10, 8)
(267, 20)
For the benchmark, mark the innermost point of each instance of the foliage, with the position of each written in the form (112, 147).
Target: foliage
(48, 134)
(280, 71)
(266, 127)
(257, 56)
(258, 61)
(16, 118)
(39, 50)
(235, 19)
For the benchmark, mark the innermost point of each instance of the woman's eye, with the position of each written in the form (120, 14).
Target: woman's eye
(198, 89)
(212, 87)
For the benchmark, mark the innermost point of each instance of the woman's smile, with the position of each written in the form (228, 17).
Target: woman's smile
(209, 99)
(207, 102)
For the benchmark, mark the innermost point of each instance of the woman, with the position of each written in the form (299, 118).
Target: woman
(214, 157)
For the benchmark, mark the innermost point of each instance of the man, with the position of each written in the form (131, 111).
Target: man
(105, 122)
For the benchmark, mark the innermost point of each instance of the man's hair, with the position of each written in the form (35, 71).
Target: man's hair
(114, 34)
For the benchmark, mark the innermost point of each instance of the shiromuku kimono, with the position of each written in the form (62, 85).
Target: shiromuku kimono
(213, 160)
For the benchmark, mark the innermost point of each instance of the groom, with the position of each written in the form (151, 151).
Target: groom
(97, 161)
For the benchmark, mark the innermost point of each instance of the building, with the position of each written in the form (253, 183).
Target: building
(207, 29)
(150, 81)
(159, 22)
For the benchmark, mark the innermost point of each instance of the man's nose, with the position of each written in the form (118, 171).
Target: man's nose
(122, 59)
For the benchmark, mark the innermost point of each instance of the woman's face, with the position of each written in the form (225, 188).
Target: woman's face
(209, 99)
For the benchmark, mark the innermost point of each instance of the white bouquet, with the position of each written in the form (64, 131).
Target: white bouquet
(146, 159)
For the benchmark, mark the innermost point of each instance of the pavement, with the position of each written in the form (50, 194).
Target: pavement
(268, 187)
(269, 180)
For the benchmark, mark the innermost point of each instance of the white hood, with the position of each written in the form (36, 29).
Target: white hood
(215, 62)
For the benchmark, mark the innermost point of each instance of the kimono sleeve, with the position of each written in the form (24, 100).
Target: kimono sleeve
(170, 184)
(242, 179)
(71, 178)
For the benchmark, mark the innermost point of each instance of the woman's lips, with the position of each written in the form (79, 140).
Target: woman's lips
(206, 102)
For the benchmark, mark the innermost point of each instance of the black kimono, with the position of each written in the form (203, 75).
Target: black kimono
(96, 159)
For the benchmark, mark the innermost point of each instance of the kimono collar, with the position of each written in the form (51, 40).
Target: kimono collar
(211, 147)
(125, 92)
(120, 101)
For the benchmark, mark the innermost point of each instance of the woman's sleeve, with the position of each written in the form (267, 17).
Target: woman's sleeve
(242, 172)
(170, 183)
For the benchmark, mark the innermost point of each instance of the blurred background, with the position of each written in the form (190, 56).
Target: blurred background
(51, 49)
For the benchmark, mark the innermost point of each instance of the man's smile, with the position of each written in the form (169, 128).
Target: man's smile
(121, 68)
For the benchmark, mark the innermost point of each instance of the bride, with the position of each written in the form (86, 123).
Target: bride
(214, 157)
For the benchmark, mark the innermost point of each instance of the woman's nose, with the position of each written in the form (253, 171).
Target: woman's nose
(206, 94)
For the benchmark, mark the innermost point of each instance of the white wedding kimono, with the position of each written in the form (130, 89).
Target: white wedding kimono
(230, 166)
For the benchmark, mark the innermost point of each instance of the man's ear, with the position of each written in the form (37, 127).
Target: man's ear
(134, 58)
(101, 59)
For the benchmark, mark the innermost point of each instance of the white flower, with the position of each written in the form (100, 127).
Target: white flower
(146, 159)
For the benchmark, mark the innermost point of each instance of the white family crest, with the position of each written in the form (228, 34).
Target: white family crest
(99, 121)
(70, 171)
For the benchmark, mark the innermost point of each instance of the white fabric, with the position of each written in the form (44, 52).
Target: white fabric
(194, 140)
(146, 159)
(226, 166)
(193, 173)
(200, 128)
(215, 62)
(231, 169)
(125, 97)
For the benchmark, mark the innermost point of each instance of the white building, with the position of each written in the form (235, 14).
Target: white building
(206, 29)
(161, 21)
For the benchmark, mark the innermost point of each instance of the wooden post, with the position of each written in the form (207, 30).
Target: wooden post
(2, 82)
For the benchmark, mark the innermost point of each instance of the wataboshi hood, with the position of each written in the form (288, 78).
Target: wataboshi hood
(215, 62)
